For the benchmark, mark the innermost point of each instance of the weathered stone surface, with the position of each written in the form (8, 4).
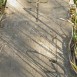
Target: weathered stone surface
(27, 47)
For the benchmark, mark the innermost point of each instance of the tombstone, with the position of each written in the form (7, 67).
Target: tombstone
(37, 6)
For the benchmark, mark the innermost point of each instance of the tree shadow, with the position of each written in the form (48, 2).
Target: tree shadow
(11, 67)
